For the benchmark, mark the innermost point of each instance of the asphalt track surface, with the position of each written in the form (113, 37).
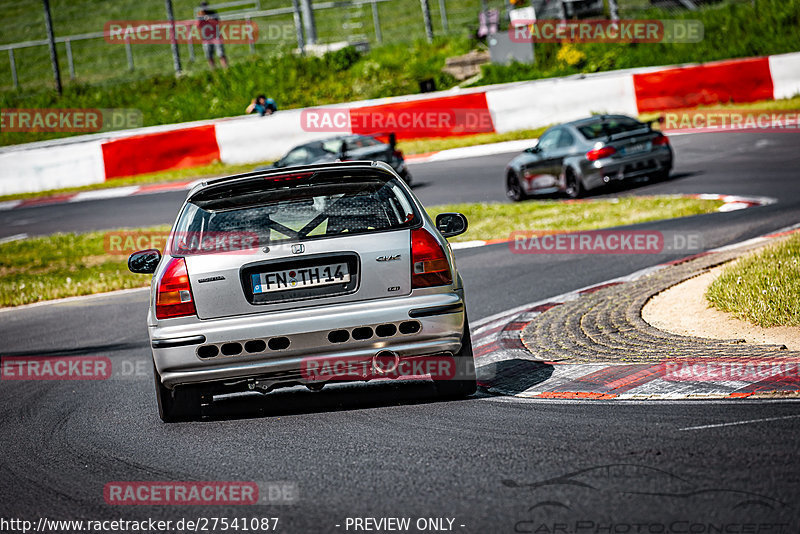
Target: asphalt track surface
(494, 464)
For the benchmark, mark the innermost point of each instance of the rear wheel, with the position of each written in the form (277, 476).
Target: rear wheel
(514, 189)
(182, 403)
(574, 185)
(464, 382)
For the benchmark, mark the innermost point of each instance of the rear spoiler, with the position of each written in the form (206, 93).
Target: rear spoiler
(648, 125)
(290, 174)
(391, 136)
(660, 120)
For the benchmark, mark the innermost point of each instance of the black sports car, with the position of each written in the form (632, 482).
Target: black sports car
(347, 148)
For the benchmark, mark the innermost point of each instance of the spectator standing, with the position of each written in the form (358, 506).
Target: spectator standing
(208, 24)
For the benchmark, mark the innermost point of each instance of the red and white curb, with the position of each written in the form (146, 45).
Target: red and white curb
(730, 203)
(98, 194)
(497, 339)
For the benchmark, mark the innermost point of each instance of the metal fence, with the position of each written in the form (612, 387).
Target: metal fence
(87, 57)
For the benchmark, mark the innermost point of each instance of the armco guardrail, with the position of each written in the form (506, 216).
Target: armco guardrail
(96, 158)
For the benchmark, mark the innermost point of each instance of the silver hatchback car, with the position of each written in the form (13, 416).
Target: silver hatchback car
(304, 276)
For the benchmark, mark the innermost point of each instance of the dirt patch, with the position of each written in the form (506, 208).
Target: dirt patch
(684, 310)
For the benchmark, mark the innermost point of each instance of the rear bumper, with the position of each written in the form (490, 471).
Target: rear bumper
(438, 319)
(609, 170)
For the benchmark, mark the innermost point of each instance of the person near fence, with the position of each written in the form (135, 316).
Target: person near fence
(262, 105)
(208, 24)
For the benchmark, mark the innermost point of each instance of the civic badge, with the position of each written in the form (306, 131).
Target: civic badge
(298, 249)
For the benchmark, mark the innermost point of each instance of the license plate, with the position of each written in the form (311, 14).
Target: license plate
(320, 275)
(635, 149)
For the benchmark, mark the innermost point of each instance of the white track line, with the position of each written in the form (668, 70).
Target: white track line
(15, 237)
(101, 194)
(750, 421)
(9, 204)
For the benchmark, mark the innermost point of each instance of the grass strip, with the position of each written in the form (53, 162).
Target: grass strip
(762, 288)
(62, 265)
(496, 220)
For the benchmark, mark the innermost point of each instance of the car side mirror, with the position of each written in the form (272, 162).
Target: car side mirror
(144, 261)
(534, 149)
(451, 224)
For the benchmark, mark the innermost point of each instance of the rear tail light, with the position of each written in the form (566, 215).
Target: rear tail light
(174, 294)
(661, 140)
(599, 153)
(398, 154)
(428, 260)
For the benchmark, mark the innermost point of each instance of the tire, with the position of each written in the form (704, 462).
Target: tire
(514, 190)
(406, 176)
(574, 185)
(181, 403)
(465, 371)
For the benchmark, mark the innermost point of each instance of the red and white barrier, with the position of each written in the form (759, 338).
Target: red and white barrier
(175, 149)
(534, 104)
(507, 107)
(251, 139)
(42, 168)
(785, 72)
(741, 80)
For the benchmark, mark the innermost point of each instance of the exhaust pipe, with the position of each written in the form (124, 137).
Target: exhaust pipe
(385, 362)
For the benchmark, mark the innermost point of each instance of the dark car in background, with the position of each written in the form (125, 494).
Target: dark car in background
(353, 147)
(578, 156)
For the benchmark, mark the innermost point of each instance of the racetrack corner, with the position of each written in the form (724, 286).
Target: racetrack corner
(593, 344)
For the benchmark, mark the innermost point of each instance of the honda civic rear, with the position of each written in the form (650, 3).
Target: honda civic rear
(270, 278)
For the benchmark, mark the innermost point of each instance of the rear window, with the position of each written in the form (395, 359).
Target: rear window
(609, 127)
(351, 143)
(280, 212)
